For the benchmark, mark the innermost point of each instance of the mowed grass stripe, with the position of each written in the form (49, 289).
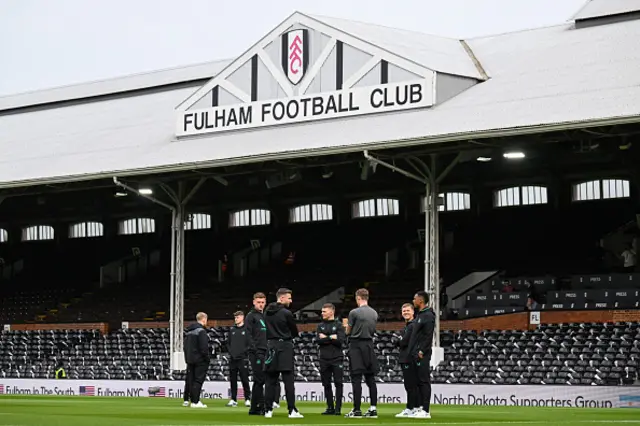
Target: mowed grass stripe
(97, 411)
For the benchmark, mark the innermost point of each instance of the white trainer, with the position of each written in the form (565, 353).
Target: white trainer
(276, 405)
(404, 413)
(186, 404)
(268, 414)
(198, 405)
(247, 403)
(295, 414)
(420, 414)
(232, 403)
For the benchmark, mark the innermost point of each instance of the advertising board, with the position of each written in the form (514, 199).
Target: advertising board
(388, 393)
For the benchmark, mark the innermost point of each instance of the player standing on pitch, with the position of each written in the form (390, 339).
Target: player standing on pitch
(420, 350)
(257, 331)
(196, 353)
(281, 329)
(361, 327)
(238, 343)
(409, 372)
(330, 337)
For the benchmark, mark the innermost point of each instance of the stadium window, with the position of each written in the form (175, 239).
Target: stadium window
(604, 189)
(521, 196)
(311, 213)
(4, 236)
(250, 217)
(450, 201)
(37, 233)
(376, 207)
(198, 221)
(140, 225)
(86, 230)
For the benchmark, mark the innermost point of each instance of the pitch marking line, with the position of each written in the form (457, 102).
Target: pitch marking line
(470, 423)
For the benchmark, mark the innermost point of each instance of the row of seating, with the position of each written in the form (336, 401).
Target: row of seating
(572, 354)
(621, 297)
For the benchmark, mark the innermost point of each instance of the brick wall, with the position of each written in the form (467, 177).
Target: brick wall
(516, 321)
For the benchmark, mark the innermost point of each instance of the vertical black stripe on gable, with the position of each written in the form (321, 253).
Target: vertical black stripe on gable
(215, 96)
(284, 54)
(339, 65)
(254, 78)
(384, 72)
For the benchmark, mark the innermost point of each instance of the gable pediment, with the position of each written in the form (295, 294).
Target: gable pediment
(301, 71)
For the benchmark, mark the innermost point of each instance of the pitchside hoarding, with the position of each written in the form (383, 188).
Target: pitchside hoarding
(489, 395)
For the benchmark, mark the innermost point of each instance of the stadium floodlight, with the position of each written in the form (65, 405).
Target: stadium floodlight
(513, 155)
(121, 194)
(483, 159)
(145, 191)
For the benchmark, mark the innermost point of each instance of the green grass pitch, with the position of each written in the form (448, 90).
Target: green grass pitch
(94, 411)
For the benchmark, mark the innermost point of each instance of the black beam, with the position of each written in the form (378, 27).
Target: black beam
(339, 65)
(254, 78)
(384, 72)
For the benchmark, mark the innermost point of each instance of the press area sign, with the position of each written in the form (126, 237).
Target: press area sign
(299, 109)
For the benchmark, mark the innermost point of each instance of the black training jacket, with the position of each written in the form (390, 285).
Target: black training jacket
(238, 342)
(404, 357)
(196, 344)
(280, 322)
(257, 331)
(422, 333)
(330, 349)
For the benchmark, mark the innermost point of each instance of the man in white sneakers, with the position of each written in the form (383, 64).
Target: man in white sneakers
(238, 345)
(420, 345)
(196, 353)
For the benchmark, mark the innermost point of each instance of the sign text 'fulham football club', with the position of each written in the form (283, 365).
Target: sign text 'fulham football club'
(338, 104)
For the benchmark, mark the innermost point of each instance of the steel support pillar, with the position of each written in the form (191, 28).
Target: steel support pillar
(176, 292)
(427, 175)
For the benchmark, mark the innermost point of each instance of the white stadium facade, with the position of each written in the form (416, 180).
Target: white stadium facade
(318, 87)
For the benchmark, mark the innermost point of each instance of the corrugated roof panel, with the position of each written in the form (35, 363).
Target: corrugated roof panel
(540, 78)
(602, 8)
(441, 54)
(115, 85)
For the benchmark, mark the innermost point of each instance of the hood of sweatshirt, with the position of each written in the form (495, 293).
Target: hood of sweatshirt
(273, 308)
(194, 326)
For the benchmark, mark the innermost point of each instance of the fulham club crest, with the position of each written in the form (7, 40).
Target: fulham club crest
(295, 57)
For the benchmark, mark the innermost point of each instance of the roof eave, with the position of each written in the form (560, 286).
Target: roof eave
(451, 137)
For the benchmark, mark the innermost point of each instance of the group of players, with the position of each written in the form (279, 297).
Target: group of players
(266, 336)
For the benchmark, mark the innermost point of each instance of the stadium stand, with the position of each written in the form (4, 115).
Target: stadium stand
(564, 354)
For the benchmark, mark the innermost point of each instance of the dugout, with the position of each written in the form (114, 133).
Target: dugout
(322, 110)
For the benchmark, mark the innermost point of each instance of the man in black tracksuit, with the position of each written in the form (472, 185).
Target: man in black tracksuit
(196, 353)
(408, 366)
(281, 329)
(420, 345)
(330, 337)
(257, 332)
(238, 343)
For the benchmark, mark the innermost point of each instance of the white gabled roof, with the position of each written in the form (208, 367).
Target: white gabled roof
(445, 55)
(603, 8)
(545, 79)
(113, 85)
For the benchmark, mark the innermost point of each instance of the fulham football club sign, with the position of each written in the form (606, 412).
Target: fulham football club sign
(295, 58)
